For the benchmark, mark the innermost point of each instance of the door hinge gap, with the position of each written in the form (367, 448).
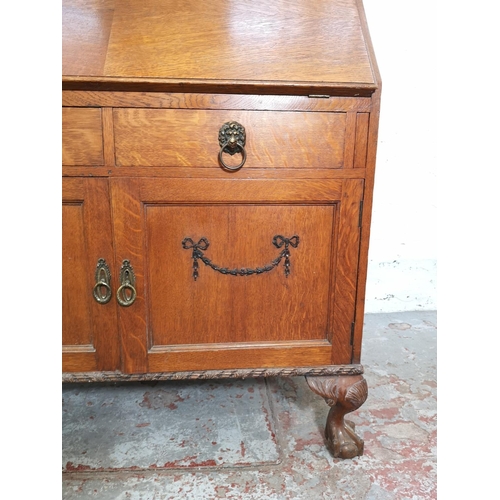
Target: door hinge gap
(352, 333)
(360, 213)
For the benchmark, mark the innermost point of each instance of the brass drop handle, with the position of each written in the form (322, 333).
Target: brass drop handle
(102, 287)
(232, 138)
(126, 293)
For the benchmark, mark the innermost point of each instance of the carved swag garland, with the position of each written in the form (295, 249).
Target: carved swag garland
(278, 241)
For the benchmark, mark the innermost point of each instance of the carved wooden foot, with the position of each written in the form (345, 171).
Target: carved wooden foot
(343, 394)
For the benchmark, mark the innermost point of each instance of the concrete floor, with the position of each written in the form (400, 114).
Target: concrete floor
(260, 439)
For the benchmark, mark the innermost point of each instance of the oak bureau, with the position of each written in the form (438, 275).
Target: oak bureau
(218, 170)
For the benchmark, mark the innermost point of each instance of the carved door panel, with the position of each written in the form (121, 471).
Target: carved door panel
(89, 320)
(237, 273)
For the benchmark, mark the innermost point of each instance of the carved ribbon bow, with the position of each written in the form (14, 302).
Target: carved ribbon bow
(202, 244)
(188, 243)
(279, 241)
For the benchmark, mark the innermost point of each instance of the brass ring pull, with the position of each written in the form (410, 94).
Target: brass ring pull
(126, 300)
(232, 138)
(127, 280)
(102, 298)
(243, 154)
(103, 279)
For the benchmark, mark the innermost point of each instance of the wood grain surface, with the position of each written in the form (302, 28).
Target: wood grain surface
(157, 137)
(89, 329)
(146, 87)
(240, 219)
(232, 43)
(249, 102)
(346, 271)
(218, 308)
(82, 136)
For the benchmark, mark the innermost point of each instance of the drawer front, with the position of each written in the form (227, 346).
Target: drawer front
(183, 137)
(82, 138)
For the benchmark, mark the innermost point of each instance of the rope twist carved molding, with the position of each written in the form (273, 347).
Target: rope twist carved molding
(335, 370)
(278, 241)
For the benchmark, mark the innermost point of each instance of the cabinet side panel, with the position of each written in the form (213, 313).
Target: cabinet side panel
(347, 270)
(366, 223)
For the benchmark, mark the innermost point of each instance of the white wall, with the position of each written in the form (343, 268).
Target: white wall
(403, 253)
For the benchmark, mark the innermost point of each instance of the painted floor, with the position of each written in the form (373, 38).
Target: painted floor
(260, 438)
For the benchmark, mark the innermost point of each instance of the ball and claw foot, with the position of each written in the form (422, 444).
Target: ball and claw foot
(343, 394)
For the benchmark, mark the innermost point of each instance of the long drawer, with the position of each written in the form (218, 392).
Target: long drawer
(182, 137)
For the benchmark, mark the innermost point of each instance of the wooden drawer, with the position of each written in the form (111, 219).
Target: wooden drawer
(82, 136)
(183, 137)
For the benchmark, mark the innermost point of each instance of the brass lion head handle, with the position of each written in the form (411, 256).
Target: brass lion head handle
(232, 138)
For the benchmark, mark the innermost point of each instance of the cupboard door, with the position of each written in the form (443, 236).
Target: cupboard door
(237, 273)
(89, 320)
